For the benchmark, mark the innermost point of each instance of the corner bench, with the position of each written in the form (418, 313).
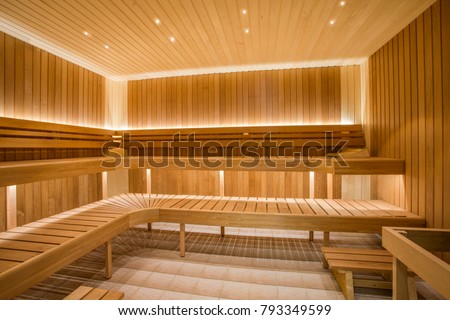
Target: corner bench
(32, 252)
(344, 261)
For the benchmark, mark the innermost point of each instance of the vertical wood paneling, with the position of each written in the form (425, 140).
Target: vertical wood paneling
(2, 74)
(137, 180)
(37, 85)
(350, 85)
(445, 67)
(2, 209)
(266, 184)
(410, 107)
(196, 182)
(38, 200)
(295, 96)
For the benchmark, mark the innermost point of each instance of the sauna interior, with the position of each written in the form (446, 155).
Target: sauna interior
(224, 149)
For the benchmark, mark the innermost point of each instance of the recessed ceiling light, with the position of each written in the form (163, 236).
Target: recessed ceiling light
(332, 22)
(86, 33)
(247, 30)
(157, 21)
(172, 39)
(106, 46)
(244, 11)
(342, 3)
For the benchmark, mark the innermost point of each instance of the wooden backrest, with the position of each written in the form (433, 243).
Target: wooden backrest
(298, 137)
(18, 133)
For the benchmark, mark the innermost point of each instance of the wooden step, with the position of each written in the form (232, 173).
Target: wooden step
(89, 293)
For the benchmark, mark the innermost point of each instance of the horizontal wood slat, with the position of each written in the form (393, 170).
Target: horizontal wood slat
(36, 134)
(51, 246)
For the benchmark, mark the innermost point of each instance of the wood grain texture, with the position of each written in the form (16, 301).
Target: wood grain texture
(34, 85)
(245, 98)
(409, 104)
(209, 34)
(186, 182)
(83, 229)
(43, 199)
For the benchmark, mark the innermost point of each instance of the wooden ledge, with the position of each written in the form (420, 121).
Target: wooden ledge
(368, 166)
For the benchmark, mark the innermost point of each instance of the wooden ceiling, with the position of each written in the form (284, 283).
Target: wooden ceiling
(209, 35)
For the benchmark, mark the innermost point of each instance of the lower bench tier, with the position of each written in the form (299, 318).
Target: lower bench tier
(32, 252)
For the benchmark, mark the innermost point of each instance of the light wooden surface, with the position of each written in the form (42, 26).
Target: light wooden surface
(417, 258)
(315, 132)
(409, 115)
(344, 261)
(89, 293)
(60, 239)
(209, 34)
(370, 166)
(36, 85)
(18, 133)
(272, 97)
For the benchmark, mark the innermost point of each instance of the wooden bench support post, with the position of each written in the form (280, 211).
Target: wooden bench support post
(345, 280)
(311, 236)
(149, 226)
(108, 260)
(399, 281)
(326, 238)
(182, 239)
(222, 231)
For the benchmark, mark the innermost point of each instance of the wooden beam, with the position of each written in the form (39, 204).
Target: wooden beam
(345, 280)
(326, 239)
(182, 239)
(108, 260)
(371, 166)
(399, 281)
(420, 261)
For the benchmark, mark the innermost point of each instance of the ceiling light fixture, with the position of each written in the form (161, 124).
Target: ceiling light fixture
(172, 39)
(157, 21)
(342, 3)
(244, 11)
(106, 46)
(86, 33)
(247, 30)
(332, 22)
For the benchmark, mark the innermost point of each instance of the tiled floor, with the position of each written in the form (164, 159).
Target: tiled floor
(245, 264)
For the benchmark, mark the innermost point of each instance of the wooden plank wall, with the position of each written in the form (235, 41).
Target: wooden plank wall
(116, 98)
(236, 183)
(295, 96)
(409, 107)
(2, 209)
(356, 187)
(185, 182)
(266, 184)
(45, 198)
(37, 85)
(350, 94)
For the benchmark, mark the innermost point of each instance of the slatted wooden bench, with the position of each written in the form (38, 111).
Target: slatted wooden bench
(32, 252)
(18, 133)
(344, 261)
(89, 293)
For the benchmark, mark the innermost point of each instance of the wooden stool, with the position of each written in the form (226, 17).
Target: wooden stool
(89, 293)
(344, 261)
